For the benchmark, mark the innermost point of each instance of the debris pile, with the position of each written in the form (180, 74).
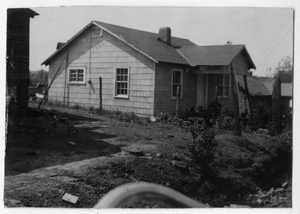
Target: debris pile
(275, 197)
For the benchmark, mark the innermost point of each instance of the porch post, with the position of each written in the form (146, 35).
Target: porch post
(247, 93)
(237, 124)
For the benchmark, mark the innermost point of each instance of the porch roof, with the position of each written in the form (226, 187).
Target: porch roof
(216, 55)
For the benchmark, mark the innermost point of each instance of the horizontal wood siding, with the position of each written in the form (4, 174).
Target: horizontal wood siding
(241, 64)
(100, 56)
(163, 87)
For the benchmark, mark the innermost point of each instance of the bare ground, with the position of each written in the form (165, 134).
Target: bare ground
(39, 169)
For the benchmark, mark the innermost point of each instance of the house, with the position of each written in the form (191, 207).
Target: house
(260, 91)
(141, 71)
(17, 53)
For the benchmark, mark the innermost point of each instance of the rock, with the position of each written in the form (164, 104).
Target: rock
(12, 203)
(71, 143)
(70, 198)
(158, 155)
(259, 201)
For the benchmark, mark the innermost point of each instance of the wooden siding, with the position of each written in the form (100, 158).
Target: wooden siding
(163, 101)
(17, 68)
(100, 56)
(241, 65)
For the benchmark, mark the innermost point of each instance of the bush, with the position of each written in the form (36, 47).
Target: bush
(202, 150)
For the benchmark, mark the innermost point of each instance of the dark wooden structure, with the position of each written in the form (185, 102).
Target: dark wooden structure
(17, 53)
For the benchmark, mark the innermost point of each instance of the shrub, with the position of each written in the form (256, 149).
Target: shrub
(202, 150)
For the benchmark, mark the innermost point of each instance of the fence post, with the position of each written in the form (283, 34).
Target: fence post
(177, 101)
(100, 93)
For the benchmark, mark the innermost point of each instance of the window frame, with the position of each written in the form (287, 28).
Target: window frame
(122, 96)
(96, 35)
(76, 82)
(181, 83)
(223, 86)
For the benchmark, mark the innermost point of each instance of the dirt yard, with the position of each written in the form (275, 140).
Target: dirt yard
(40, 169)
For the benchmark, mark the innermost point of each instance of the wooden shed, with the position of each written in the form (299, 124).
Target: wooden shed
(17, 53)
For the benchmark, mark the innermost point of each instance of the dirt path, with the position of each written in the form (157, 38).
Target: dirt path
(41, 167)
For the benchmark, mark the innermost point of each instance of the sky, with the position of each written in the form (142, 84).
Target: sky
(266, 32)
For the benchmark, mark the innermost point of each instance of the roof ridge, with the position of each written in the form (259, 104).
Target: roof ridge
(128, 28)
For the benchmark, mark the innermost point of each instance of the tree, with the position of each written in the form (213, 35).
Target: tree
(285, 70)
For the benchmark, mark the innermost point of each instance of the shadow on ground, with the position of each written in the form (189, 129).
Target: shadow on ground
(29, 147)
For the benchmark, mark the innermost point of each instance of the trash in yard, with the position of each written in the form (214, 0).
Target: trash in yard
(179, 164)
(285, 184)
(71, 143)
(158, 155)
(180, 157)
(136, 152)
(70, 198)
(152, 119)
(278, 190)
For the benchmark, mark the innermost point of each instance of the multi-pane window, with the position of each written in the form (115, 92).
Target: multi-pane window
(176, 82)
(76, 75)
(122, 82)
(224, 86)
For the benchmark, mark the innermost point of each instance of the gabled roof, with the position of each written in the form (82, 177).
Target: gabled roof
(145, 42)
(181, 51)
(216, 55)
(268, 83)
(263, 86)
(255, 86)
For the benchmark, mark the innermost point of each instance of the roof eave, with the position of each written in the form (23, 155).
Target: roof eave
(252, 65)
(125, 41)
(46, 62)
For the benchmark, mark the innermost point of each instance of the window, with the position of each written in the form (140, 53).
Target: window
(223, 86)
(122, 82)
(97, 32)
(77, 75)
(176, 82)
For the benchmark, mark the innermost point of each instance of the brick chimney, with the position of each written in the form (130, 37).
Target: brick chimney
(165, 35)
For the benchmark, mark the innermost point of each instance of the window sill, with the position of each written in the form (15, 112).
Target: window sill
(175, 98)
(121, 97)
(223, 97)
(76, 83)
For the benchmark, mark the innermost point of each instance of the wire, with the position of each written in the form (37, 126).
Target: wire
(275, 46)
(274, 39)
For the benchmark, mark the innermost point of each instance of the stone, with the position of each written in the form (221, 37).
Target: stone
(12, 203)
